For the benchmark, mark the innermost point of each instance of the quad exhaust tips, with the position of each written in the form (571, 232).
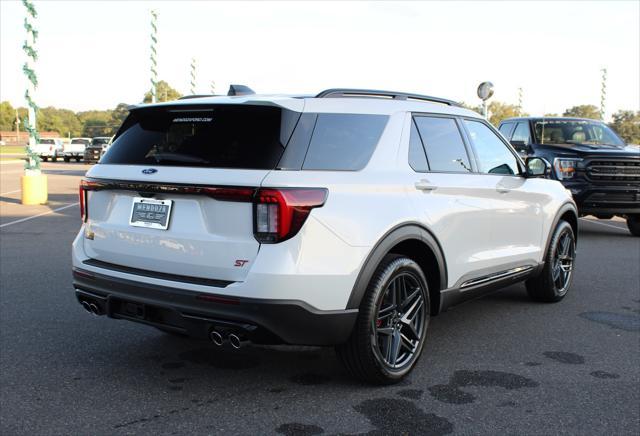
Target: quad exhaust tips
(217, 338)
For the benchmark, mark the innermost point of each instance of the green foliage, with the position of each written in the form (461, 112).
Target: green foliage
(627, 125)
(164, 93)
(583, 111)
(63, 121)
(498, 111)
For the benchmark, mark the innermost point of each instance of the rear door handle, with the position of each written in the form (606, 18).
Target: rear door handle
(425, 185)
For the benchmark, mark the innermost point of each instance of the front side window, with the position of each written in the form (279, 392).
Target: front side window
(493, 155)
(522, 133)
(343, 142)
(443, 144)
(417, 158)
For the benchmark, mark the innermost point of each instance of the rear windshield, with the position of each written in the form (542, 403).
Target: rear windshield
(47, 141)
(80, 141)
(247, 137)
(99, 141)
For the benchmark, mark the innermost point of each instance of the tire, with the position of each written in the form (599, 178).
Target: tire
(54, 159)
(66, 159)
(44, 158)
(633, 223)
(363, 355)
(77, 159)
(556, 277)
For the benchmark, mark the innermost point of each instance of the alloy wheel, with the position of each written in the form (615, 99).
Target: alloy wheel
(400, 321)
(563, 260)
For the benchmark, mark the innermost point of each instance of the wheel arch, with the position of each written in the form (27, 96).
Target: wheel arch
(416, 242)
(569, 213)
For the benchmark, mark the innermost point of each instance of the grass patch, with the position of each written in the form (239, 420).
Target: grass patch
(11, 149)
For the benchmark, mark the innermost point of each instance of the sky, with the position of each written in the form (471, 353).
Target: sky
(94, 55)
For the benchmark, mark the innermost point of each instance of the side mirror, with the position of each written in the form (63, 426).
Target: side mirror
(538, 167)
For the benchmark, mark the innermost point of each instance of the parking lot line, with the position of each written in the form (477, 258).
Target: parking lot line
(10, 192)
(21, 220)
(604, 224)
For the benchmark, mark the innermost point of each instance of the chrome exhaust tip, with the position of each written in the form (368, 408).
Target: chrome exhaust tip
(94, 309)
(216, 337)
(86, 306)
(234, 340)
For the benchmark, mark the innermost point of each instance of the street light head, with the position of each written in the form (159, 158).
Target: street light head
(485, 91)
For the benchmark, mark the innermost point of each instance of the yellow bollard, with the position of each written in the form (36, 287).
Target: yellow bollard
(34, 189)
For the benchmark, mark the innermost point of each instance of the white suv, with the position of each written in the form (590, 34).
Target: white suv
(347, 219)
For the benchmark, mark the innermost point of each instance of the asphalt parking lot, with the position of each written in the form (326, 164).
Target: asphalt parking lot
(498, 365)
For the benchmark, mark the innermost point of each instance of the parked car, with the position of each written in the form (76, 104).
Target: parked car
(345, 219)
(589, 158)
(75, 149)
(94, 151)
(49, 148)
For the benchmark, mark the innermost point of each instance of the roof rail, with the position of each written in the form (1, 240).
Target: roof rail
(187, 97)
(372, 93)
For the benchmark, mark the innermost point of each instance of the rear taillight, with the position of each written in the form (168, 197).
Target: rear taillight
(280, 213)
(85, 185)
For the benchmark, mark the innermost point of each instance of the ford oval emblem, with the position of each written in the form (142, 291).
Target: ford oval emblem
(149, 171)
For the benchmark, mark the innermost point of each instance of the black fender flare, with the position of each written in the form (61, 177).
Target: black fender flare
(566, 207)
(394, 236)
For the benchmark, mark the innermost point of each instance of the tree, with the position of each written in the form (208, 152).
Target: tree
(498, 111)
(164, 92)
(119, 114)
(63, 121)
(583, 111)
(627, 125)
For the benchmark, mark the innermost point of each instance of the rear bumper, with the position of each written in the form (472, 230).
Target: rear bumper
(196, 314)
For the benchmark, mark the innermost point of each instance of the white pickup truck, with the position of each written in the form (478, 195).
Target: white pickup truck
(49, 148)
(75, 149)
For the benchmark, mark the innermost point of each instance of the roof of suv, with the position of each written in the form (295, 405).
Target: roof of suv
(338, 101)
(548, 119)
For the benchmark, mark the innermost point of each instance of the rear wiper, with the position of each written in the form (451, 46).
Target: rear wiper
(177, 157)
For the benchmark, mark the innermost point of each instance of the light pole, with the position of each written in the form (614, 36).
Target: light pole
(154, 63)
(33, 182)
(485, 91)
(520, 95)
(193, 76)
(603, 93)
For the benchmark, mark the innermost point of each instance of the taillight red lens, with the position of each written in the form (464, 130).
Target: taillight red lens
(85, 185)
(82, 194)
(280, 213)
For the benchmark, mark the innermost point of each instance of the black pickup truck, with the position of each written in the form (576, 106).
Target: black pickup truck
(589, 158)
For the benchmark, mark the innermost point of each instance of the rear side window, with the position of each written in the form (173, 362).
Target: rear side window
(506, 129)
(343, 142)
(225, 136)
(443, 142)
